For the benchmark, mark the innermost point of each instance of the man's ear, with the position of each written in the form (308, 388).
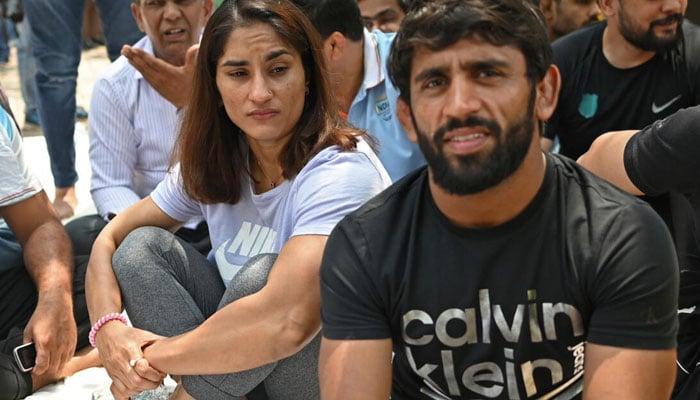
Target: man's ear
(334, 46)
(403, 111)
(607, 8)
(208, 8)
(136, 12)
(548, 8)
(547, 93)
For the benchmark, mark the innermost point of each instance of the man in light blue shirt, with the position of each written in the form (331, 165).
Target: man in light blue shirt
(357, 64)
(132, 126)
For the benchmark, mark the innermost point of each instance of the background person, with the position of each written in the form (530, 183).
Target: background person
(385, 15)
(42, 298)
(566, 16)
(132, 127)
(56, 41)
(357, 66)
(665, 158)
(491, 272)
(268, 163)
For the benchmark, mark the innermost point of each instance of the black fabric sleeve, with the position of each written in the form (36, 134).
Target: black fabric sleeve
(635, 290)
(351, 306)
(665, 156)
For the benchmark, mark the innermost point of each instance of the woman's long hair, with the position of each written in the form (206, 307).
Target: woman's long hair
(211, 149)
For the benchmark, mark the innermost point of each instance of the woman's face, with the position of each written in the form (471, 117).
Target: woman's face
(262, 84)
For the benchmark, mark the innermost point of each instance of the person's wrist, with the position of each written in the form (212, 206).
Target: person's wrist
(111, 317)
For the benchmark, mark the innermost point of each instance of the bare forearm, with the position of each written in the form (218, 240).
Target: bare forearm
(234, 339)
(49, 260)
(101, 286)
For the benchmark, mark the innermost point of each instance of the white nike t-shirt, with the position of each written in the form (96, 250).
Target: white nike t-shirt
(332, 184)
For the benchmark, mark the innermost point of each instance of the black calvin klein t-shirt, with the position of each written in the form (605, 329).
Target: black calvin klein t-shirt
(597, 97)
(502, 312)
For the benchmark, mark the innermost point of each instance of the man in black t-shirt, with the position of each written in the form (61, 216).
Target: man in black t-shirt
(490, 273)
(640, 65)
(665, 158)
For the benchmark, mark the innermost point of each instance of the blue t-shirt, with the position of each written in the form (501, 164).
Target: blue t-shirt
(374, 110)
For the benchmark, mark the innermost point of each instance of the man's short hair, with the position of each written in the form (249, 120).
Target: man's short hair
(330, 16)
(442, 23)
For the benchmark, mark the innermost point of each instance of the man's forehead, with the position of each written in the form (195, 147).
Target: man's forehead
(469, 50)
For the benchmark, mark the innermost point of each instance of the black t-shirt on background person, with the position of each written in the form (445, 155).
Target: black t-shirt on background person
(501, 312)
(597, 97)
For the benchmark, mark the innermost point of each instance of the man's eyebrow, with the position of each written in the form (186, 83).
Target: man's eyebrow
(384, 13)
(427, 73)
(241, 63)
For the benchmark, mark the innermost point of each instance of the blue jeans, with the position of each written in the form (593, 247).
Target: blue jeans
(26, 67)
(56, 41)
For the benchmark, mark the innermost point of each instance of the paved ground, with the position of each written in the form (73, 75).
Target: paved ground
(92, 63)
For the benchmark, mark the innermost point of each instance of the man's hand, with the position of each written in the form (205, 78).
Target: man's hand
(53, 330)
(172, 82)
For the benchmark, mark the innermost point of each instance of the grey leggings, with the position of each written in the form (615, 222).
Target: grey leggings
(169, 288)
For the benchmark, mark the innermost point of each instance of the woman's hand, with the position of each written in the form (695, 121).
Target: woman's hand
(120, 349)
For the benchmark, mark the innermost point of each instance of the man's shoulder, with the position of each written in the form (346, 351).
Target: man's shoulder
(398, 199)
(579, 42)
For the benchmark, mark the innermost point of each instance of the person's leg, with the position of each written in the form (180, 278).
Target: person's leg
(167, 286)
(27, 72)
(292, 378)
(118, 25)
(57, 57)
(83, 231)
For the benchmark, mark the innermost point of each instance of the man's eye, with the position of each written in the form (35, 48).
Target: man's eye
(433, 83)
(278, 70)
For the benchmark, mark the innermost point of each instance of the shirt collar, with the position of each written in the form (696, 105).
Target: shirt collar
(374, 74)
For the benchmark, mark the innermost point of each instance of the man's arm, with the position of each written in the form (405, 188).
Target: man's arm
(618, 373)
(173, 83)
(49, 261)
(606, 159)
(355, 369)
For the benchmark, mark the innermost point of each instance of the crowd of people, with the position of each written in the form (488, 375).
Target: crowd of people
(371, 199)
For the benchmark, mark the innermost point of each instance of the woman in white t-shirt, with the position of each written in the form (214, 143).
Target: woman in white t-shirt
(267, 162)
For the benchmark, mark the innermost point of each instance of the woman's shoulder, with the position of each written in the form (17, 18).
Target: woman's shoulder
(361, 160)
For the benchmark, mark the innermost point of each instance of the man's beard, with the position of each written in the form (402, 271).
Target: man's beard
(477, 172)
(648, 41)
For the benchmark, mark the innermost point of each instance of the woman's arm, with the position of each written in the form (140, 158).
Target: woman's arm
(267, 326)
(117, 343)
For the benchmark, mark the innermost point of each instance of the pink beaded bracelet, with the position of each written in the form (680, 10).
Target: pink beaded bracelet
(100, 323)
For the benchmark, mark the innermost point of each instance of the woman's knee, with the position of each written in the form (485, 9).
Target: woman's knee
(138, 250)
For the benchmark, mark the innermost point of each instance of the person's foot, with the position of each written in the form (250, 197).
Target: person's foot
(15, 384)
(32, 118)
(65, 202)
(81, 113)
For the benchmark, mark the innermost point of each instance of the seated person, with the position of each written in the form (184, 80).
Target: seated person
(132, 127)
(42, 299)
(265, 159)
(663, 158)
(357, 63)
(495, 271)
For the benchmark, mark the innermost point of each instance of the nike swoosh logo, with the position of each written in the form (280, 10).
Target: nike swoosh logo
(657, 109)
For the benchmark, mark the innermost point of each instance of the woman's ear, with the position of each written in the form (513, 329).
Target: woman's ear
(547, 93)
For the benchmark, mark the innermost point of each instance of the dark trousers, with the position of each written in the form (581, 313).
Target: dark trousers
(18, 299)
(84, 230)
